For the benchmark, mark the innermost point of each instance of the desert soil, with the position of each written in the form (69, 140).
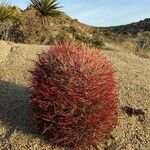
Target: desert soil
(16, 129)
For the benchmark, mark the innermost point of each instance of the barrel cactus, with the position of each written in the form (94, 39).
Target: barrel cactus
(74, 96)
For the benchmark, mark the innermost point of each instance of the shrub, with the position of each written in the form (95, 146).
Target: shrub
(74, 96)
(97, 42)
(4, 30)
(47, 39)
(69, 29)
(108, 33)
(82, 38)
(142, 47)
(63, 36)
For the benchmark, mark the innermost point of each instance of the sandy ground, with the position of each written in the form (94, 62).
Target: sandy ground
(16, 129)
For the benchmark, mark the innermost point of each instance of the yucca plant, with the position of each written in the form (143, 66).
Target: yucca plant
(7, 15)
(46, 7)
(6, 12)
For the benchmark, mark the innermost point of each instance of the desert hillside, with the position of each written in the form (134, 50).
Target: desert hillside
(16, 129)
(30, 28)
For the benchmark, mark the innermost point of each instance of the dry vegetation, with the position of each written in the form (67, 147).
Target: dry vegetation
(27, 27)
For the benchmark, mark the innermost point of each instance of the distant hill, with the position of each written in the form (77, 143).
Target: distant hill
(133, 28)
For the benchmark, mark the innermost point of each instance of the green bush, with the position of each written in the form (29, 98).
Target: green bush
(82, 38)
(47, 39)
(63, 36)
(143, 45)
(69, 29)
(97, 42)
(108, 33)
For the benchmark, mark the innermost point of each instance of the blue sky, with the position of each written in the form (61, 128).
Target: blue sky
(102, 12)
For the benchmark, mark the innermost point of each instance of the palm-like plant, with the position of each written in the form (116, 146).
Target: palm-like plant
(6, 12)
(46, 7)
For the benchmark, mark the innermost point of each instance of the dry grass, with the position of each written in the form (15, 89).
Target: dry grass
(137, 46)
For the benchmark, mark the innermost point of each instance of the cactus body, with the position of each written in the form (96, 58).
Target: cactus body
(74, 96)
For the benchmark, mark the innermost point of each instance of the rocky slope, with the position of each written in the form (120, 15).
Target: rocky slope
(29, 27)
(16, 129)
(133, 28)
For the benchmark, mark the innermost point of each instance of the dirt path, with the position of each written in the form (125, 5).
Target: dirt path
(16, 130)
